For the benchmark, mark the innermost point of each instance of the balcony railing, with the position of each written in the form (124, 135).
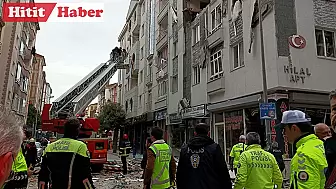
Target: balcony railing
(149, 79)
(162, 33)
(162, 4)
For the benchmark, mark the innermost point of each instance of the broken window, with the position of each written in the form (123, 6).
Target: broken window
(325, 43)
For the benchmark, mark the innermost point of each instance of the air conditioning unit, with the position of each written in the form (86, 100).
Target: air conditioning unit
(184, 103)
(163, 61)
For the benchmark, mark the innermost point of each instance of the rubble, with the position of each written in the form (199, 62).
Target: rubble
(111, 177)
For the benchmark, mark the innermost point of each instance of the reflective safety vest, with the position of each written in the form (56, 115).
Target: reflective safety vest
(20, 165)
(257, 169)
(236, 150)
(160, 177)
(309, 164)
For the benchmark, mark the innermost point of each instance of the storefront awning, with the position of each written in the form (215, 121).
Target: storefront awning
(235, 103)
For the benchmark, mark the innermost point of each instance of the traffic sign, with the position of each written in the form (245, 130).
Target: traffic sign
(267, 110)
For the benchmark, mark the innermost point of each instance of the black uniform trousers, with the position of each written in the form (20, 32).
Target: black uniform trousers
(124, 162)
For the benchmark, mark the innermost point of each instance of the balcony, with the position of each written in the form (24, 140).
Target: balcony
(161, 102)
(134, 58)
(165, 71)
(215, 86)
(132, 94)
(162, 39)
(216, 36)
(149, 106)
(149, 79)
(163, 9)
(135, 27)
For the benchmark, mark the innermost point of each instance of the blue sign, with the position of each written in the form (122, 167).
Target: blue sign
(267, 111)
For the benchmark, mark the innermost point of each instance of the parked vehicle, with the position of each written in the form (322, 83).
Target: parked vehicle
(40, 150)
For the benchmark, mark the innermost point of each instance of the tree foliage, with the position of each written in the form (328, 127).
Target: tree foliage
(33, 117)
(112, 116)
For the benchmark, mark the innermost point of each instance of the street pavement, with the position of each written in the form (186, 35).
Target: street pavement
(111, 177)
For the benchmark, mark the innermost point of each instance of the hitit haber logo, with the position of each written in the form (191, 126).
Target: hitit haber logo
(53, 12)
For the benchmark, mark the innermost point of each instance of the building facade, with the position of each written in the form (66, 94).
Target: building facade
(47, 94)
(16, 56)
(91, 111)
(201, 62)
(37, 82)
(110, 94)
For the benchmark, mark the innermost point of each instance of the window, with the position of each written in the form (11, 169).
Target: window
(25, 83)
(196, 34)
(150, 71)
(162, 88)
(18, 73)
(141, 53)
(23, 106)
(197, 74)
(216, 65)
(141, 76)
(22, 46)
(27, 40)
(143, 7)
(131, 105)
(216, 17)
(142, 30)
(174, 49)
(206, 24)
(174, 83)
(140, 101)
(238, 56)
(325, 43)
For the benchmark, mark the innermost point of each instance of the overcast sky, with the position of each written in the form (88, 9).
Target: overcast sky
(72, 50)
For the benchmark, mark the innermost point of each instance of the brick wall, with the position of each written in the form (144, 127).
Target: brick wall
(325, 13)
(236, 38)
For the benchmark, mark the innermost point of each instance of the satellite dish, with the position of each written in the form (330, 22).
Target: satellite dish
(161, 73)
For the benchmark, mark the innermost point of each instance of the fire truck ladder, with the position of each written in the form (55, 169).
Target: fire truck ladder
(76, 99)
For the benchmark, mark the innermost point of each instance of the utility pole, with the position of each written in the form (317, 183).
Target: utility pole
(264, 78)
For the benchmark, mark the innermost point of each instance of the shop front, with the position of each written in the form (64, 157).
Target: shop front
(177, 135)
(232, 118)
(192, 116)
(160, 121)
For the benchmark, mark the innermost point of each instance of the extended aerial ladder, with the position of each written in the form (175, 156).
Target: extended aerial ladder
(74, 101)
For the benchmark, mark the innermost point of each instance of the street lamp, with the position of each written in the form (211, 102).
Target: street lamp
(264, 77)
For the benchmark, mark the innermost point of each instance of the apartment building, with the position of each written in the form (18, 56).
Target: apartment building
(37, 82)
(110, 94)
(203, 64)
(299, 39)
(47, 95)
(17, 51)
(91, 110)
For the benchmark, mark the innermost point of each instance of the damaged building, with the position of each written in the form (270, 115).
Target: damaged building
(200, 61)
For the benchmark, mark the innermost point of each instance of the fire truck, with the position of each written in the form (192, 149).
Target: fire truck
(74, 102)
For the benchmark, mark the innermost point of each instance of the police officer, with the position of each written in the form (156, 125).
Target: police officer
(309, 162)
(236, 150)
(66, 161)
(257, 168)
(124, 150)
(19, 176)
(161, 168)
